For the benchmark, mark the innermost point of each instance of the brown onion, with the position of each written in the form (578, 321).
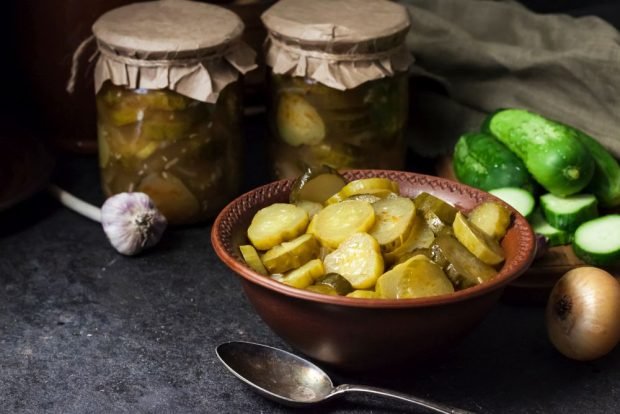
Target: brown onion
(583, 313)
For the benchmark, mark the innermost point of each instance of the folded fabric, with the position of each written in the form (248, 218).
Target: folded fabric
(486, 55)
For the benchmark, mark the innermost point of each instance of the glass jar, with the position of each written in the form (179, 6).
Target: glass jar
(185, 154)
(168, 96)
(338, 84)
(312, 124)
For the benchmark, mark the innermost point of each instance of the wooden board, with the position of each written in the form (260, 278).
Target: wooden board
(534, 285)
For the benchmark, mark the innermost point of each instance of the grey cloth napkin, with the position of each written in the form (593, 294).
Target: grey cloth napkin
(482, 55)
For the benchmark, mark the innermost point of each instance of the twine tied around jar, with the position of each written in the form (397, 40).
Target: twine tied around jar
(75, 63)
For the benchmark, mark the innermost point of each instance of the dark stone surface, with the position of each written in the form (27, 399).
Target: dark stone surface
(86, 330)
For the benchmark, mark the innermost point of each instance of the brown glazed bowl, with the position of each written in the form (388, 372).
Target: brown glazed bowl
(363, 334)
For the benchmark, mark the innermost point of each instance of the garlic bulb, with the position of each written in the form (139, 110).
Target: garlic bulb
(132, 222)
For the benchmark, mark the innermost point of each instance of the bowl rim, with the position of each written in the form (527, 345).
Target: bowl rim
(524, 257)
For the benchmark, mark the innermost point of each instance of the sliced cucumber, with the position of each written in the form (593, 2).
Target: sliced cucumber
(338, 221)
(358, 259)
(381, 187)
(393, 220)
(303, 276)
(251, 257)
(316, 184)
(597, 241)
(492, 218)
(291, 255)
(554, 236)
(276, 223)
(520, 199)
(567, 213)
(480, 244)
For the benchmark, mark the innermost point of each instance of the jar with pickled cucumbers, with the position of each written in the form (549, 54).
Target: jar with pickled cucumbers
(169, 105)
(338, 84)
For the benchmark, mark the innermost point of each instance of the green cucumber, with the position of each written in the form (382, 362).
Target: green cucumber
(482, 161)
(605, 183)
(554, 236)
(567, 213)
(521, 200)
(551, 151)
(597, 242)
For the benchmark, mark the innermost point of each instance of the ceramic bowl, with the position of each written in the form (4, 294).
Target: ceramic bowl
(352, 333)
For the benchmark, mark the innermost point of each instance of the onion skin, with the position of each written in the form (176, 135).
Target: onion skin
(583, 313)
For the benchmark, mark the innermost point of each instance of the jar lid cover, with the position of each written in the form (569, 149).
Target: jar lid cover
(341, 44)
(342, 21)
(168, 26)
(189, 47)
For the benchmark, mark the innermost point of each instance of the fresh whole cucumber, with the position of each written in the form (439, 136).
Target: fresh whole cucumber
(551, 151)
(605, 183)
(482, 161)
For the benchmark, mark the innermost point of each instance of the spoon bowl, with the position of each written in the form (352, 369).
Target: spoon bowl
(275, 373)
(294, 381)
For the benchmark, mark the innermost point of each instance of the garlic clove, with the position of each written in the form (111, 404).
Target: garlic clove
(131, 222)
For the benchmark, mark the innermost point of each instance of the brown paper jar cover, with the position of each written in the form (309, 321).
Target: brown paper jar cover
(341, 44)
(192, 48)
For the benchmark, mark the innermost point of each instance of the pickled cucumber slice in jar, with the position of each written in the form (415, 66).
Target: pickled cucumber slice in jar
(276, 223)
(298, 122)
(104, 152)
(317, 184)
(305, 275)
(124, 106)
(121, 144)
(162, 99)
(337, 222)
(492, 218)
(292, 254)
(357, 259)
(333, 154)
(337, 282)
(481, 245)
(175, 201)
(252, 259)
(393, 220)
(165, 126)
(466, 269)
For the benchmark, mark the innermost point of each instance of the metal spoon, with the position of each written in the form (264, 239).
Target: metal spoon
(289, 379)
